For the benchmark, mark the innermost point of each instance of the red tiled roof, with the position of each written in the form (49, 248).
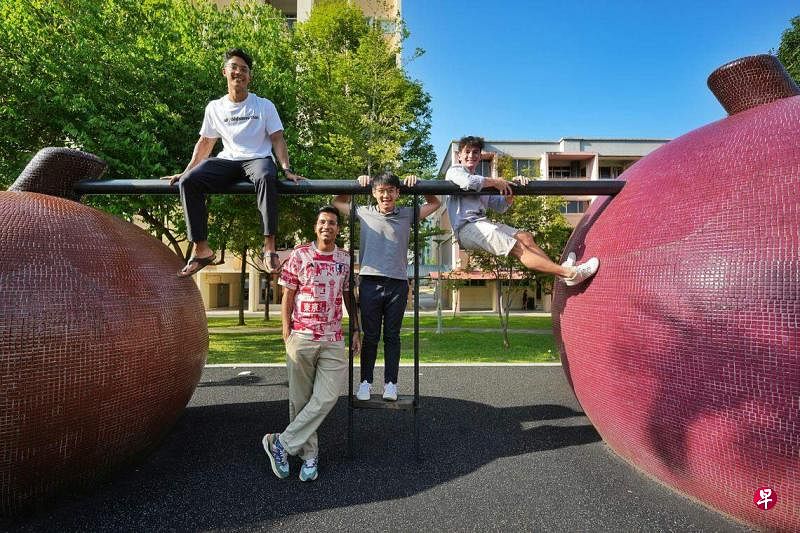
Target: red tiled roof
(472, 274)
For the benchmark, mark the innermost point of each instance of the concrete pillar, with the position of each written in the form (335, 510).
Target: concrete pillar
(304, 9)
(255, 289)
(593, 172)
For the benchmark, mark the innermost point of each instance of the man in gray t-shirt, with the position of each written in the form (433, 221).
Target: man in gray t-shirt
(383, 281)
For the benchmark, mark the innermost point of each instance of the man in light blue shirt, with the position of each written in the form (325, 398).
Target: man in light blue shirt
(475, 231)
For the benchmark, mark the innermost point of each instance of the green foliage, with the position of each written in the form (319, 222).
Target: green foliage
(359, 113)
(789, 49)
(505, 166)
(128, 80)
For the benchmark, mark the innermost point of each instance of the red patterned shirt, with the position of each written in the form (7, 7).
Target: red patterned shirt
(319, 278)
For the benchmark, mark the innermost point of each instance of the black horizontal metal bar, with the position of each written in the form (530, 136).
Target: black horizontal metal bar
(534, 188)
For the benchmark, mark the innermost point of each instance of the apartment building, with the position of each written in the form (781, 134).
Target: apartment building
(568, 158)
(385, 12)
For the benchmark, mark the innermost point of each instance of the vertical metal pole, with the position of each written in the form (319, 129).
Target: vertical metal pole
(416, 325)
(351, 282)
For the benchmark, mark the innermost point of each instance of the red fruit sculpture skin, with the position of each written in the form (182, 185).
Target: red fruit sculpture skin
(101, 345)
(683, 350)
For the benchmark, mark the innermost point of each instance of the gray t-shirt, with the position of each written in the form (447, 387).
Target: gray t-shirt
(384, 241)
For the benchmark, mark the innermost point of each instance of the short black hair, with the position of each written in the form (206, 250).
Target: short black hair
(470, 140)
(386, 178)
(328, 209)
(238, 52)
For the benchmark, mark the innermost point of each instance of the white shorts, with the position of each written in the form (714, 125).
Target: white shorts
(484, 235)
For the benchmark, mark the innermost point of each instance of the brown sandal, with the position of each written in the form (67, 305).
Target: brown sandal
(195, 265)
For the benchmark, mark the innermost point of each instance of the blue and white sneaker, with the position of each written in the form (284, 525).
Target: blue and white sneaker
(308, 472)
(277, 455)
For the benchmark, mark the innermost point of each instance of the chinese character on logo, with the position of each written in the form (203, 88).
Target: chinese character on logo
(765, 498)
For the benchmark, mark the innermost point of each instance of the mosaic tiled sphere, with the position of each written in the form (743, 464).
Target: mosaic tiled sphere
(683, 350)
(101, 345)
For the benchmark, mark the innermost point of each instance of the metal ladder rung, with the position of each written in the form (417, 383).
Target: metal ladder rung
(376, 401)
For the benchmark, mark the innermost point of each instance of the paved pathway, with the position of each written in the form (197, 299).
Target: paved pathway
(505, 449)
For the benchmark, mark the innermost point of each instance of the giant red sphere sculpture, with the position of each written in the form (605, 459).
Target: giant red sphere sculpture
(101, 345)
(683, 350)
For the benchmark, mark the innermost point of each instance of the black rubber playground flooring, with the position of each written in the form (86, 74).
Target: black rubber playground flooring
(504, 448)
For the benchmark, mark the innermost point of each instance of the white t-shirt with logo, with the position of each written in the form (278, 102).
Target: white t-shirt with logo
(244, 127)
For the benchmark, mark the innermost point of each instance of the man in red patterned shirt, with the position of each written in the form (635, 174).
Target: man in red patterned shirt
(316, 280)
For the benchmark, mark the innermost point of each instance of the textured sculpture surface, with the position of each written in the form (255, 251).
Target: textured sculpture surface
(683, 350)
(101, 346)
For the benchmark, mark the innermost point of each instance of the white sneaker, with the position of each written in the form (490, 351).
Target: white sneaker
(583, 272)
(390, 392)
(364, 391)
(571, 259)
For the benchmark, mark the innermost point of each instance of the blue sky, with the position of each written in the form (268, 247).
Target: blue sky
(532, 70)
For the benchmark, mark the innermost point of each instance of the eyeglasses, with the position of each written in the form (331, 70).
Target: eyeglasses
(235, 67)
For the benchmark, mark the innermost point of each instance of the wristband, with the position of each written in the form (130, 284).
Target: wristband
(288, 169)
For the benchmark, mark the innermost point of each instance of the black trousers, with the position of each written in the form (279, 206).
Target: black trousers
(382, 302)
(214, 175)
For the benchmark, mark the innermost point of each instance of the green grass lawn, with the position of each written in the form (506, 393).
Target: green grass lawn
(250, 322)
(448, 347)
(426, 321)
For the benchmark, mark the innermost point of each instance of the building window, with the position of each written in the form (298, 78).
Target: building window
(575, 207)
(558, 173)
(610, 173)
(475, 283)
(526, 167)
(485, 168)
(387, 26)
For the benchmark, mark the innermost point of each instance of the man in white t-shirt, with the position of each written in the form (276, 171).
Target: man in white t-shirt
(251, 131)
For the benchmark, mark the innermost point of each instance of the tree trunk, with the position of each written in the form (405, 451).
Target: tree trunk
(242, 278)
(503, 317)
(507, 309)
(267, 300)
(164, 231)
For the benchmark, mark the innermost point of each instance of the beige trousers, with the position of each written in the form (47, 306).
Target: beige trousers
(317, 370)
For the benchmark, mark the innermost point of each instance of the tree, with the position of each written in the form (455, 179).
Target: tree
(358, 111)
(128, 80)
(541, 216)
(789, 49)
